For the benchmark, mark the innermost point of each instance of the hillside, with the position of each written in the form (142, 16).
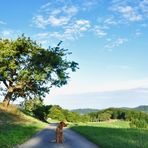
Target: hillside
(85, 111)
(90, 110)
(142, 108)
(16, 127)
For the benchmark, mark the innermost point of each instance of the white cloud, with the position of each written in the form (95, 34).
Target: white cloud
(138, 32)
(110, 21)
(99, 31)
(45, 5)
(69, 32)
(87, 4)
(128, 13)
(73, 31)
(58, 21)
(7, 33)
(73, 88)
(144, 6)
(119, 41)
(42, 35)
(119, 67)
(10, 33)
(40, 22)
(2, 22)
(72, 10)
(54, 16)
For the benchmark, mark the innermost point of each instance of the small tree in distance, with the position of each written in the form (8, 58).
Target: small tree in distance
(28, 70)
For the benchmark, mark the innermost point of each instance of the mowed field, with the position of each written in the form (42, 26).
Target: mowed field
(114, 134)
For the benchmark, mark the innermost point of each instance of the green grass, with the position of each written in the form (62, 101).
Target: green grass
(114, 134)
(16, 127)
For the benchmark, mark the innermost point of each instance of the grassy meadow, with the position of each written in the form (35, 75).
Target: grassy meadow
(114, 134)
(16, 127)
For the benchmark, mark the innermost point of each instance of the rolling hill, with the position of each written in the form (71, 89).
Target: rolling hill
(143, 108)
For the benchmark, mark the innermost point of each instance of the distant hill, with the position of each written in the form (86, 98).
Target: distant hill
(142, 108)
(90, 110)
(85, 111)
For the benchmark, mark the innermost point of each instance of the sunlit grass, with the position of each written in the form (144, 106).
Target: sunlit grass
(16, 127)
(114, 134)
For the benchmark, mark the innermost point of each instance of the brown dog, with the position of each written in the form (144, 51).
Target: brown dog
(59, 132)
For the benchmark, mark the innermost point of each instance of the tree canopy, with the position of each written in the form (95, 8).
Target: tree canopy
(28, 70)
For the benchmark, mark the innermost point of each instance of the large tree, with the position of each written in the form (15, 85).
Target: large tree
(28, 70)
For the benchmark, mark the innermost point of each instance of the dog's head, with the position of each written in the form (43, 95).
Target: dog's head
(63, 124)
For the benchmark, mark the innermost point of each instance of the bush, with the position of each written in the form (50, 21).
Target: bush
(138, 123)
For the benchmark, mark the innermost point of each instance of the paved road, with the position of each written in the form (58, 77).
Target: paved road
(46, 139)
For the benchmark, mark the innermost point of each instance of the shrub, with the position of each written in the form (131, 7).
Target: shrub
(138, 123)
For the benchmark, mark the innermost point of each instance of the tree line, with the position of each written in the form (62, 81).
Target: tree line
(35, 107)
(135, 117)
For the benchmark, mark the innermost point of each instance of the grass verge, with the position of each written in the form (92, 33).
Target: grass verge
(16, 127)
(114, 135)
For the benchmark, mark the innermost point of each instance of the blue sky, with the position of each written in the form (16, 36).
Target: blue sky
(109, 40)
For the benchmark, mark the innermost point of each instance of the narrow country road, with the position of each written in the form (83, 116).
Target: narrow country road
(46, 139)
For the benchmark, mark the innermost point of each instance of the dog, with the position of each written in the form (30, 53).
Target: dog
(59, 132)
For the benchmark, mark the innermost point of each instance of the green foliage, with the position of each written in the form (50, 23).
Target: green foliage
(138, 123)
(31, 104)
(56, 113)
(137, 118)
(104, 116)
(36, 108)
(26, 68)
(41, 112)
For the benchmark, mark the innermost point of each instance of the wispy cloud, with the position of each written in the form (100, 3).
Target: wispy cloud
(129, 13)
(53, 20)
(111, 21)
(138, 32)
(88, 5)
(54, 16)
(131, 97)
(9, 33)
(40, 22)
(45, 6)
(70, 32)
(99, 31)
(65, 21)
(118, 67)
(42, 35)
(3, 22)
(144, 6)
(73, 31)
(116, 43)
(6, 33)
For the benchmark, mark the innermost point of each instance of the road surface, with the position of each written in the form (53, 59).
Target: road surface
(46, 139)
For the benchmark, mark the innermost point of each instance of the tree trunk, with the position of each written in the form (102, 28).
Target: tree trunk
(7, 99)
